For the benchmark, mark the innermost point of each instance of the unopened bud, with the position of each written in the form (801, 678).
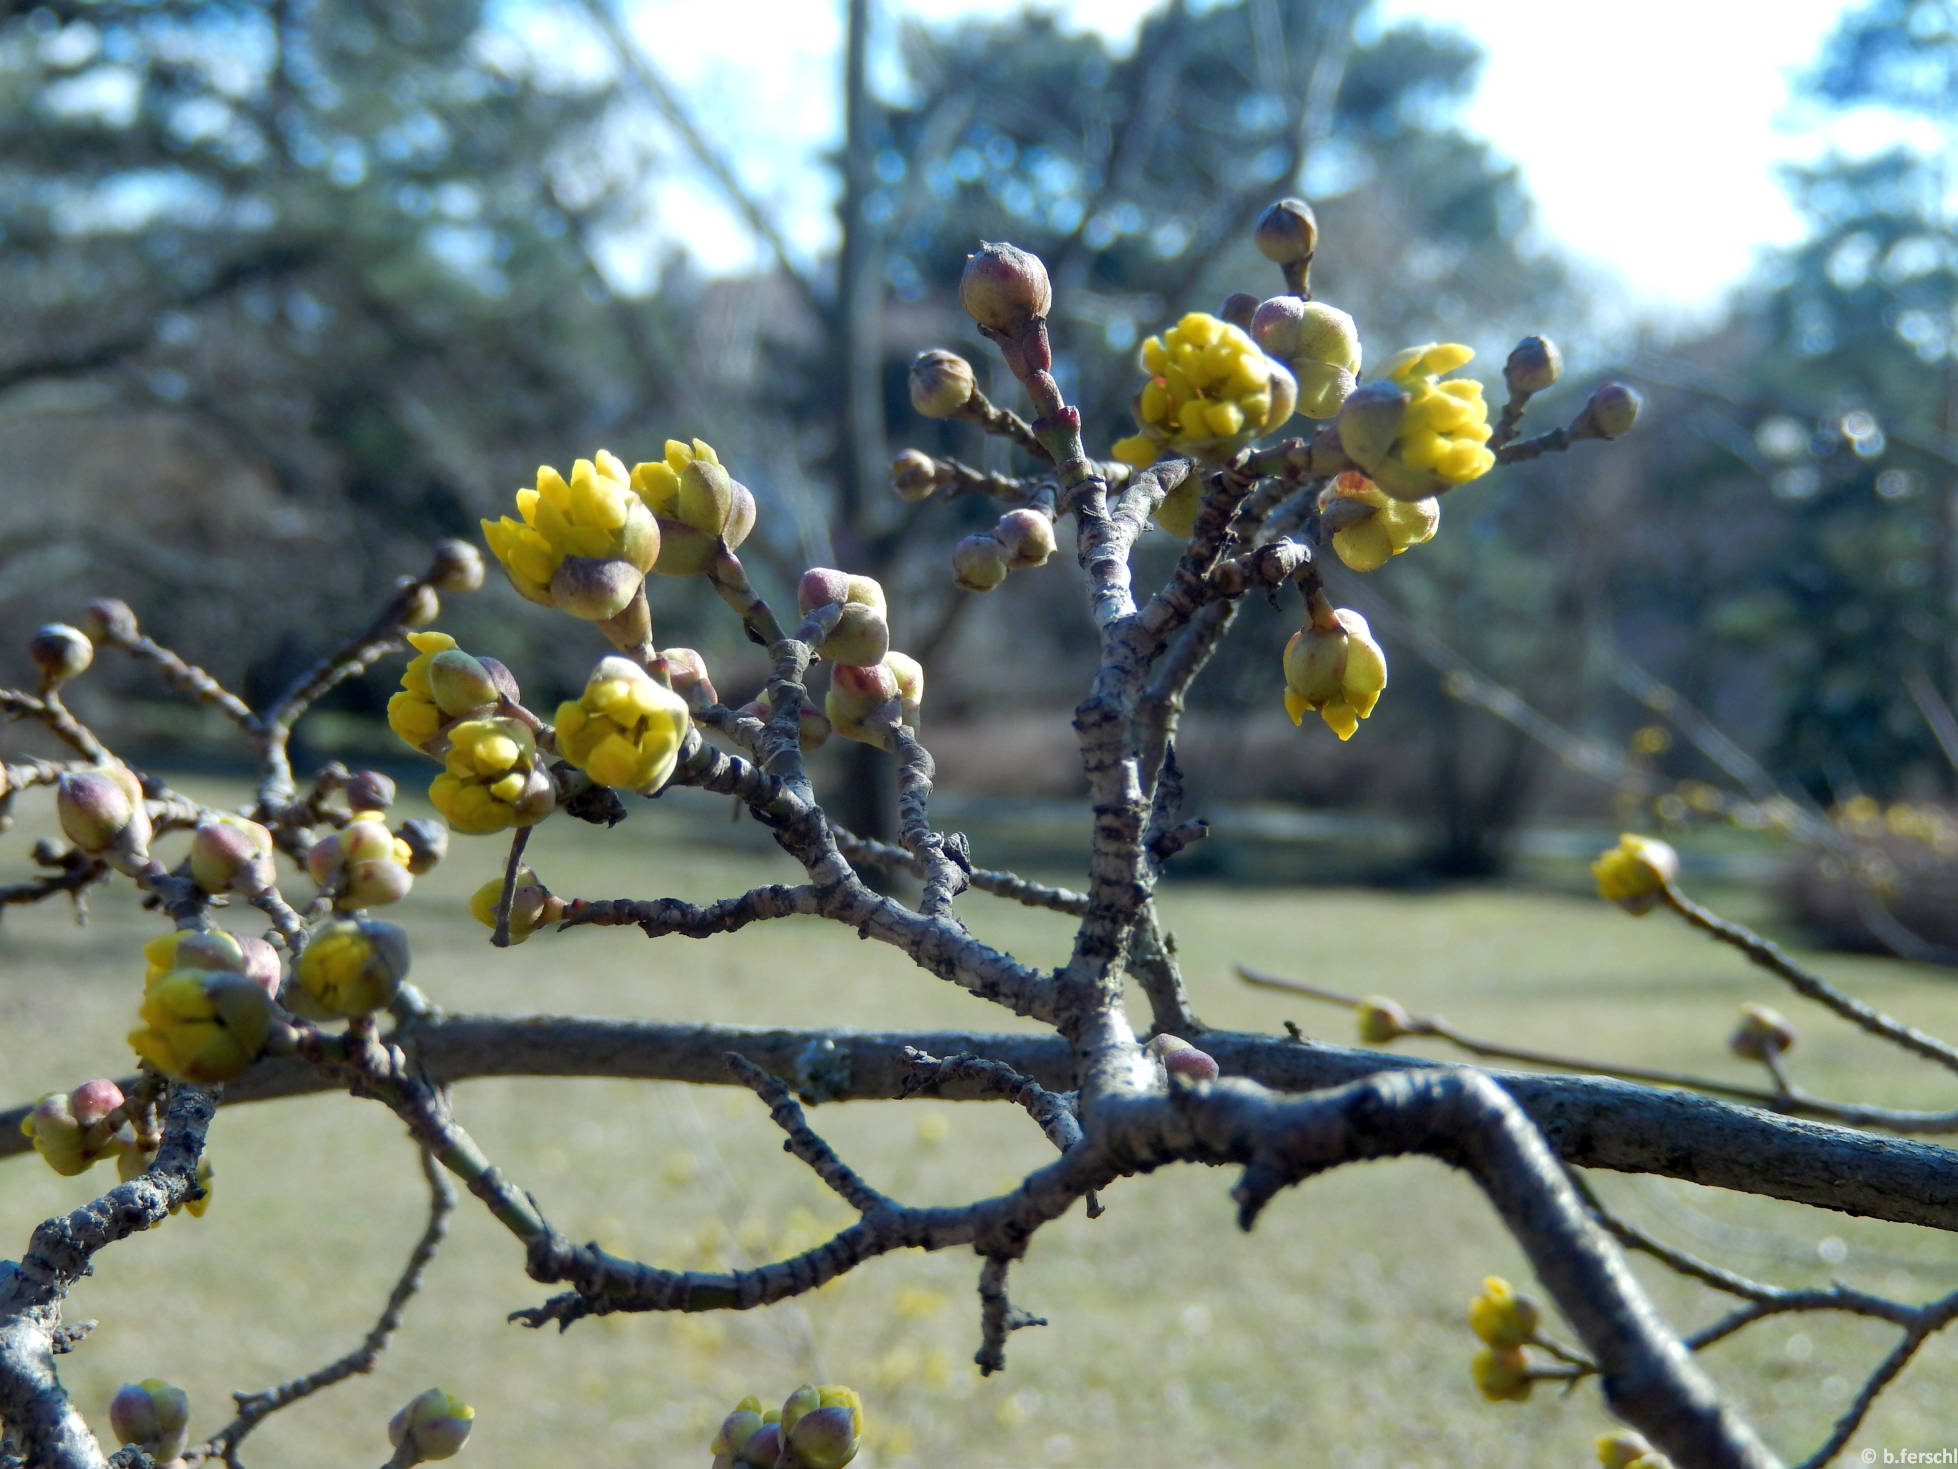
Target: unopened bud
(459, 683)
(505, 681)
(910, 676)
(458, 566)
(1533, 365)
(1238, 309)
(914, 475)
(110, 621)
(1381, 1020)
(102, 810)
(153, 1416)
(60, 651)
(230, 854)
(1182, 1060)
(432, 1426)
(1287, 233)
(820, 586)
(370, 790)
(427, 841)
(1610, 413)
(1370, 419)
(595, 588)
(1005, 288)
(1761, 1033)
(979, 563)
(422, 608)
(1026, 536)
(941, 383)
(687, 671)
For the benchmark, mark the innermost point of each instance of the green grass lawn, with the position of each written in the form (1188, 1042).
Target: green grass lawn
(1334, 1334)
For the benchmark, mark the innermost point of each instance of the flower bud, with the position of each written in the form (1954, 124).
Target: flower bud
(822, 1426)
(1533, 365)
(459, 684)
(1181, 1059)
(909, 675)
(1319, 343)
(1238, 309)
(369, 790)
(1609, 414)
(856, 697)
(1004, 288)
(627, 729)
(941, 383)
(914, 475)
(66, 1127)
(594, 588)
(364, 865)
(202, 1025)
(738, 1428)
(1621, 1448)
(1501, 1317)
(352, 966)
(109, 620)
(1286, 233)
(686, 669)
(423, 606)
(812, 727)
(1370, 526)
(532, 905)
(1761, 1033)
(1337, 670)
(229, 854)
(1026, 536)
(862, 634)
(153, 1416)
(102, 810)
(979, 563)
(212, 950)
(1370, 418)
(1381, 1020)
(433, 1425)
(1502, 1374)
(59, 651)
(1635, 873)
(820, 586)
(458, 566)
(427, 842)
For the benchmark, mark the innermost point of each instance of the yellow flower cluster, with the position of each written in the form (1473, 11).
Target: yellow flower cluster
(71, 1131)
(584, 544)
(1337, 670)
(1365, 542)
(627, 728)
(1635, 872)
(1501, 1317)
(1211, 390)
(532, 905)
(491, 778)
(440, 683)
(1413, 434)
(697, 503)
(363, 863)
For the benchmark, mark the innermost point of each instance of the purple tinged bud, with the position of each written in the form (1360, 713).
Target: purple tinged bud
(764, 1446)
(505, 681)
(110, 621)
(458, 566)
(861, 636)
(825, 1438)
(370, 790)
(595, 588)
(102, 810)
(230, 854)
(433, 1425)
(1287, 232)
(687, 671)
(820, 586)
(1004, 288)
(92, 1101)
(1533, 365)
(60, 651)
(1181, 1059)
(979, 563)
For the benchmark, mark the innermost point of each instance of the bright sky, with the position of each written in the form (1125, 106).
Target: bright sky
(1648, 134)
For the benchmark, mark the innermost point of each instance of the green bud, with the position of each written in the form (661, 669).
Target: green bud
(433, 1425)
(914, 476)
(1370, 419)
(102, 810)
(230, 854)
(459, 684)
(706, 496)
(979, 563)
(861, 636)
(1026, 536)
